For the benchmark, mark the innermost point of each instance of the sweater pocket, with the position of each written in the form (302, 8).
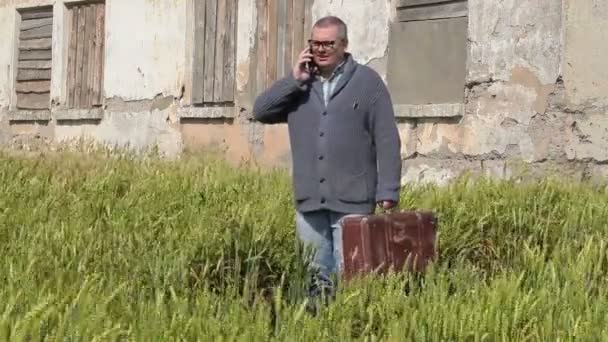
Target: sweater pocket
(301, 190)
(352, 188)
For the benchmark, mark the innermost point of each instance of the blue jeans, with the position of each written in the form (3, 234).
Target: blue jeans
(322, 230)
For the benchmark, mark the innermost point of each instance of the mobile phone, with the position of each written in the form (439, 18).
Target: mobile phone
(310, 65)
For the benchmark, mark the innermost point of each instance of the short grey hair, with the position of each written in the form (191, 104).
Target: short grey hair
(331, 20)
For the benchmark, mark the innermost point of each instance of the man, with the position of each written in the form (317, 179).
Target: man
(344, 141)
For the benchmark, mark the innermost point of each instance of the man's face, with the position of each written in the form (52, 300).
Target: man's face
(327, 48)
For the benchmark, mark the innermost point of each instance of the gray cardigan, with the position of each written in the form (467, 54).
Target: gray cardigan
(346, 156)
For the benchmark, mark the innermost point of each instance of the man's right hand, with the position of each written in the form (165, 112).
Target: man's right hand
(300, 72)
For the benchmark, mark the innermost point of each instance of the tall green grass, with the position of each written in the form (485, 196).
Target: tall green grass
(97, 247)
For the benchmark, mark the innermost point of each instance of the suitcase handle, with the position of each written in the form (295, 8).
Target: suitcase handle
(395, 209)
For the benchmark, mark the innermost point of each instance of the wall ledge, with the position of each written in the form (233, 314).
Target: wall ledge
(443, 110)
(29, 115)
(78, 114)
(206, 112)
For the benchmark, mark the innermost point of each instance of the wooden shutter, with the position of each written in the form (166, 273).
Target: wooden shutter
(283, 29)
(85, 55)
(34, 67)
(413, 10)
(214, 51)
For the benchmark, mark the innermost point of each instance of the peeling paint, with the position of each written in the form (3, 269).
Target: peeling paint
(438, 138)
(525, 77)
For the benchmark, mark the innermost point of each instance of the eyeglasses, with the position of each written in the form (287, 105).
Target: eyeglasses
(327, 45)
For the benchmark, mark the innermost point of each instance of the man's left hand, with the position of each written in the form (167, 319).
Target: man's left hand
(387, 204)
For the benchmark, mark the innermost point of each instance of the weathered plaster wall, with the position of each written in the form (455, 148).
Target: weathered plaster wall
(218, 136)
(7, 27)
(515, 56)
(585, 72)
(586, 52)
(5, 134)
(535, 90)
(145, 48)
(247, 22)
(59, 52)
(121, 129)
(368, 23)
(145, 59)
(535, 94)
(513, 66)
(145, 64)
(510, 33)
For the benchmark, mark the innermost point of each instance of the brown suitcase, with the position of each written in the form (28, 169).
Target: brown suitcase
(381, 242)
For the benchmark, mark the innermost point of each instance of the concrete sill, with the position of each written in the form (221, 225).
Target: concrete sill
(206, 112)
(443, 110)
(78, 114)
(29, 115)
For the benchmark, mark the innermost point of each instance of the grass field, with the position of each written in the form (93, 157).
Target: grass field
(98, 248)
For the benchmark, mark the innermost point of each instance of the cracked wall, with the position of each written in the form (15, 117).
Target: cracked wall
(533, 95)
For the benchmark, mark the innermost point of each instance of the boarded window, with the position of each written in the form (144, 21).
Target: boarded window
(214, 51)
(34, 60)
(283, 29)
(85, 55)
(427, 52)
